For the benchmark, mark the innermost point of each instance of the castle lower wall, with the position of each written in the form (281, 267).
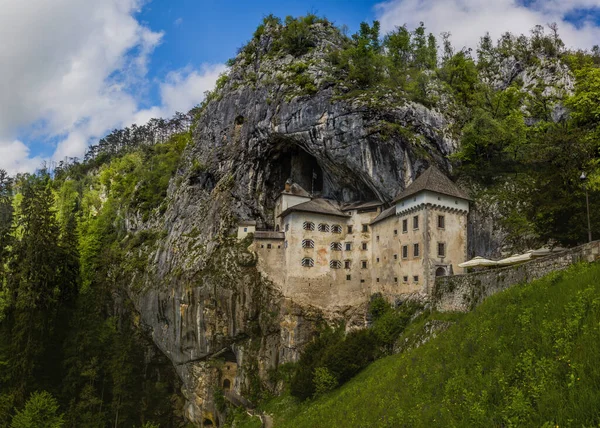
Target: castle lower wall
(464, 292)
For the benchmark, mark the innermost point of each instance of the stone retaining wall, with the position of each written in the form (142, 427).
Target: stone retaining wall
(464, 292)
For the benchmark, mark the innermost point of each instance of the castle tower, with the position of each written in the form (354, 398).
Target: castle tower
(432, 216)
(292, 194)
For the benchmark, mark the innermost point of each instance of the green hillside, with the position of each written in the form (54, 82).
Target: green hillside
(526, 357)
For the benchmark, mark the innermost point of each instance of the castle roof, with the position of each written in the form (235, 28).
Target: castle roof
(247, 223)
(391, 211)
(296, 190)
(434, 180)
(361, 205)
(316, 206)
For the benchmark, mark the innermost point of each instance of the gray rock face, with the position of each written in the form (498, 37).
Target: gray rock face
(202, 293)
(202, 298)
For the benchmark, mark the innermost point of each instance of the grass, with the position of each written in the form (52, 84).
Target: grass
(525, 357)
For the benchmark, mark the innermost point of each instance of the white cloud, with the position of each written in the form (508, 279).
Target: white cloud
(14, 157)
(468, 20)
(185, 88)
(181, 91)
(178, 22)
(72, 70)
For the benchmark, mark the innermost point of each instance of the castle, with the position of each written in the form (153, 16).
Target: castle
(330, 254)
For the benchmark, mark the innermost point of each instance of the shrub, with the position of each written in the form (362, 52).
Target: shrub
(296, 36)
(324, 380)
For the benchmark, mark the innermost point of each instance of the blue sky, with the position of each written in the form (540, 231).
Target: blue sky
(73, 70)
(211, 31)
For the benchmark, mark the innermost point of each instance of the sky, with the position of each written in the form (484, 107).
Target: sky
(72, 70)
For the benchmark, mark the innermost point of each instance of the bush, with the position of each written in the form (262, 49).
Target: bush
(296, 36)
(324, 380)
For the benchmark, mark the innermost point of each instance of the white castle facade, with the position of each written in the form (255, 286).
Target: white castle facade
(333, 255)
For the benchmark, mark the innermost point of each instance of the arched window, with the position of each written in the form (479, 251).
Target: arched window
(336, 246)
(335, 264)
(277, 228)
(308, 243)
(440, 271)
(323, 227)
(308, 225)
(226, 384)
(308, 262)
(336, 228)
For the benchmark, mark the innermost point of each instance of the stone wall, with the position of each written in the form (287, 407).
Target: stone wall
(465, 292)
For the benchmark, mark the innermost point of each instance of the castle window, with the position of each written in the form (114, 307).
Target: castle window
(349, 229)
(335, 264)
(416, 222)
(405, 251)
(308, 243)
(364, 245)
(365, 228)
(336, 228)
(348, 246)
(348, 277)
(347, 264)
(308, 262)
(363, 264)
(416, 278)
(395, 279)
(395, 231)
(308, 225)
(395, 256)
(362, 281)
(441, 249)
(415, 250)
(377, 279)
(405, 278)
(377, 238)
(269, 246)
(441, 221)
(245, 229)
(404, 226)
(287, 227)
(336, 246)
(323, 227)
(377, 259)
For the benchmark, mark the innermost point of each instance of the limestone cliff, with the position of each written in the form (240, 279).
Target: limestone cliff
(273, 117)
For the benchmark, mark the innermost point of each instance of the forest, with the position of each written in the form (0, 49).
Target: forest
(71, 346)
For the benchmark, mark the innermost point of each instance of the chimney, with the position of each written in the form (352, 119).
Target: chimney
(288, 185)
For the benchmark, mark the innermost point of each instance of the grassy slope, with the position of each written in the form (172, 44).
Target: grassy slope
(529, 356)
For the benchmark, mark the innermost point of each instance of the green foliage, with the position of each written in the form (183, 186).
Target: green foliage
(40, 411)
(333, 357)
(324, 381)
(296, 36)
(362, 60)
(525, 357)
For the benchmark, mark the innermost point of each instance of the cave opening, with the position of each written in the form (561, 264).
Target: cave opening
(290, 161)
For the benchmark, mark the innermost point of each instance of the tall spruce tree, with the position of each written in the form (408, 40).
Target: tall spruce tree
(33, 283)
